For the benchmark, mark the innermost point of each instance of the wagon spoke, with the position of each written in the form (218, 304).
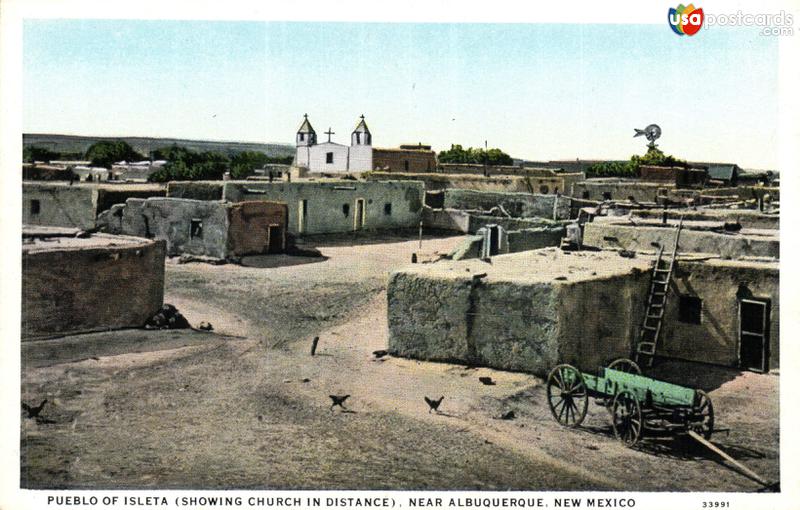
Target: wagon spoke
(561, 413)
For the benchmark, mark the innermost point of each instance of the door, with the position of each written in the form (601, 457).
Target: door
(275, 239)
(754, 334)
(302, 216)
(360, 216)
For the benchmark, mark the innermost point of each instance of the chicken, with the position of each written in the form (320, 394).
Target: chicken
(33, 412)
(434, 404)
(338, 401)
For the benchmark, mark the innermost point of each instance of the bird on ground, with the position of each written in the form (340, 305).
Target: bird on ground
(434, 404)
(33, 412)
(338, 400)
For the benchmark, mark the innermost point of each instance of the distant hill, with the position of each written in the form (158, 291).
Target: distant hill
(77, 144)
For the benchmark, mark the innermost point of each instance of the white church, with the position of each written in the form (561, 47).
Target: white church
(330, 157)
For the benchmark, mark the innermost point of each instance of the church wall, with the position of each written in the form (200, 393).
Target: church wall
(318, 154)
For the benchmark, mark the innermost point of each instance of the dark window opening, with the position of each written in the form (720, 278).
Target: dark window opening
(405, 165)
(329, 158)
(387, 208)
(690, 309)
(196, 229)
(369, 138)
(302, 137)
(358, 138)
(585, 195)
(346, 210)
(544, 190)
(36, 207)
(606, 195)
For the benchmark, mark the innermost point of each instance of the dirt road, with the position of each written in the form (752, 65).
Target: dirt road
(248, 407)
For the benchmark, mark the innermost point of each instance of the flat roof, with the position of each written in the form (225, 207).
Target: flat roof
(109, 186)
(708, 226)
(37, 239)
(546, 265)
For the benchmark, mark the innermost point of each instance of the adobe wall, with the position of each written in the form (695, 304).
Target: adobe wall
(397, 159)
(170, 219)
(59, 205)
(449, 319)
(73, 290)
(748, 218)
(719, 284)
(619, 189)
(639, 238)
(516, 204)
(249, 226)
(195, 190)
(435, 181)
(529, 320)
(331, 206)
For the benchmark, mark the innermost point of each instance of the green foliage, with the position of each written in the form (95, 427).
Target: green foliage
(457, 154)
(186, 165)
(243, 163)
(105, 153)
(32, 153)
(653, 157)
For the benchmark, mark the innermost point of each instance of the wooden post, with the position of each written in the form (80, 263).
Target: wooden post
(314, 345)
(420, 235)
(708, 444)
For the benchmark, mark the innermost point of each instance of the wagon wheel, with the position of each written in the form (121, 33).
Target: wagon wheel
(567, 395)
(625, 365)
(626, 417)
(703, 415)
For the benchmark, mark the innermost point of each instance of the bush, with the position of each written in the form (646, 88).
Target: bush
(457, 154)
(106, 153)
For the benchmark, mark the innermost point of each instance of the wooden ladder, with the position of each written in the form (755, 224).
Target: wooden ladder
(656, 302)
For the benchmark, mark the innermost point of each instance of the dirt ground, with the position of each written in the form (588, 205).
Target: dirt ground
(247, 406)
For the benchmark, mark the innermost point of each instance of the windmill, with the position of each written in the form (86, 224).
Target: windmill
(651, 132)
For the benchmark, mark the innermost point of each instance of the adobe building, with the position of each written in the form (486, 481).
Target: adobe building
(360, 156)
(531, 310)
(535, 309)
(214, 229)
(325, 206)
(77, 205)
(519, 183)
(82, 284)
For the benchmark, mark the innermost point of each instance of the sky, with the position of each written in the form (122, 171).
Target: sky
(537, 91)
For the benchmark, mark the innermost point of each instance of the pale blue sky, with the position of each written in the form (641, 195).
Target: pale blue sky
(537, 91)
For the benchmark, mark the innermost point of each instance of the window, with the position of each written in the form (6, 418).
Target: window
(346, 210)
(302, 137)
(36, 207)
(405, 165)
(606, 195)
(196, 229)
(329, 158)
(544, 190)
(585, 195)
(387, 208)
(358, 138)
(690, 309)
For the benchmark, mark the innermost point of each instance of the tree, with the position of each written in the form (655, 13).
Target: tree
(653, 157)
(186, 165)
(32, 153)
(457, 154)
(105, 153)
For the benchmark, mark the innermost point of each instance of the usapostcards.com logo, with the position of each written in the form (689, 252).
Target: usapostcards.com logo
(685, 20)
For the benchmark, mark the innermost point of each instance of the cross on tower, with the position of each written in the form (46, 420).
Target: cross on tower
(329, 133)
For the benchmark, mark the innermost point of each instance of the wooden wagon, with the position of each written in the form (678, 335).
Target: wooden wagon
(636, 403)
